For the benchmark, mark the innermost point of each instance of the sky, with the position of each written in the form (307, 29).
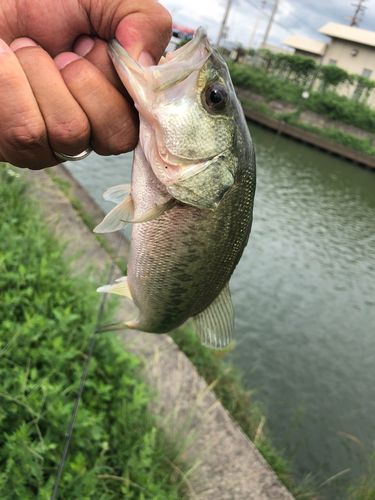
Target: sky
(293, 17)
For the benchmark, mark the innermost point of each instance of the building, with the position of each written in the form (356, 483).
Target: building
(351, 48)
(307, 47)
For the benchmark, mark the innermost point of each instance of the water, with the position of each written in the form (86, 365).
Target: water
(304, 297)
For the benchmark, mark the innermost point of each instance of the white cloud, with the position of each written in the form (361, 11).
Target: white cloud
(293, 16)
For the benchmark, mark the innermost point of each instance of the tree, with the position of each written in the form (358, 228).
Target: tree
(332, 76)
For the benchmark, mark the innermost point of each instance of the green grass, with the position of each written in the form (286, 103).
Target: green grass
(364, 487)
(47, 318)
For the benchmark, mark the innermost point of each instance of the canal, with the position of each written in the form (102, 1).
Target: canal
(304, 298)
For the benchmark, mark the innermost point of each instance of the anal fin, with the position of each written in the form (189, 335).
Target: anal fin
(215, 325)
(120, 287)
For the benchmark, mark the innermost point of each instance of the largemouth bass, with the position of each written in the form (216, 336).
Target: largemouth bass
(192, 192)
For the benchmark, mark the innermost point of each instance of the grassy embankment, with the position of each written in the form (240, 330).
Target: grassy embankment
(47, 318)
(329, 104)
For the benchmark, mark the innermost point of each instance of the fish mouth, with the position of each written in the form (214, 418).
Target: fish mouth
(141, 80)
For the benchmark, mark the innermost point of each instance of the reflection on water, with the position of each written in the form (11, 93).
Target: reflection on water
(304, 296)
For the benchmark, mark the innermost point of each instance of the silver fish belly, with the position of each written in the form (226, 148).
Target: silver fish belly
(190, 201)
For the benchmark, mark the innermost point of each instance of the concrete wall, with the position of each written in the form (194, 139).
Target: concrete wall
(340, 51)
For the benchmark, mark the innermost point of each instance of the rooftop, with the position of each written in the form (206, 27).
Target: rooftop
(306, 44)
(350, 33)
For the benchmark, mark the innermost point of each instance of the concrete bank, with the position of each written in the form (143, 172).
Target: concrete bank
(226, 464)
(309, 138)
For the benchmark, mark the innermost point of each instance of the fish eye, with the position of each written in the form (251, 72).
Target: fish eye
(216, 97)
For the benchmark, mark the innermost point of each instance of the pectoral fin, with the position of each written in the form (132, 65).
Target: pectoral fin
(118, 218)
(215, 325)
(123, 215)
(117, 194)
(155, 212)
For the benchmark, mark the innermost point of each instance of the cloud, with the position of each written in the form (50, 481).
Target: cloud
(292, 17)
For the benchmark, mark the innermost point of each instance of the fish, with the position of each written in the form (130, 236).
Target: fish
(191, 195)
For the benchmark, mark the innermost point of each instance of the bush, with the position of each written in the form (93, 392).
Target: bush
(343, 109)
(269, 86)
(332, 76)
(328, 104)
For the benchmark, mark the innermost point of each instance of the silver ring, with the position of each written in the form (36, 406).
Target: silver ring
(81, 156)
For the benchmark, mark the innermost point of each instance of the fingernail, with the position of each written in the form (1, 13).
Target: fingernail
(145, 59)
(3, 46)
(83, 45)
(64, 59)
(20, 43)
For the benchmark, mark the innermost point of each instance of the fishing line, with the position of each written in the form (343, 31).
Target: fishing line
(84, 375)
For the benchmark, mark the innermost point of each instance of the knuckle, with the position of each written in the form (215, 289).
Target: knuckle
(119, 139)
(30, 137)
(72, 131)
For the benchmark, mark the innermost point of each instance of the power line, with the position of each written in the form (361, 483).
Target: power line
(313, 28)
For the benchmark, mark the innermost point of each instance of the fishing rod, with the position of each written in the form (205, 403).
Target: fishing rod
(84, 375)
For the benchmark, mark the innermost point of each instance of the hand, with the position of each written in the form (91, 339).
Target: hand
(66, 103)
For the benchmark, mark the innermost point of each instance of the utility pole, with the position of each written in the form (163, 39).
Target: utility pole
(264, 3)
(223, 24)
(355, 21)
(270, 23)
